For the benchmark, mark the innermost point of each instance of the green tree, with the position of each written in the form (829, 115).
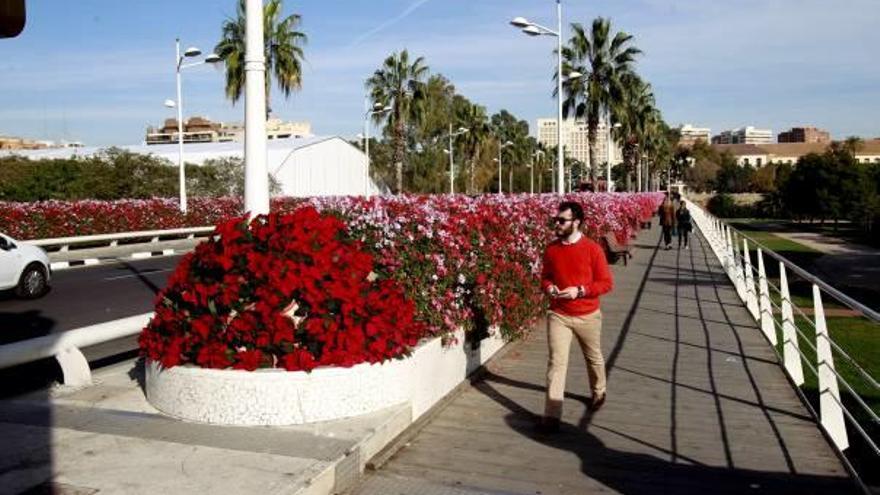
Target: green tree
(605, 59)
(507, 128)
(701, 176)
(283, 50)
(399, 85)
(477, 145)
(733, 178)
(633, 112)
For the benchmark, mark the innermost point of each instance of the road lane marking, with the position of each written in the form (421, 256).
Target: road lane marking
(141, 274)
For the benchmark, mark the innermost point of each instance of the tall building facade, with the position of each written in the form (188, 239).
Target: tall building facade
(690, 135)
(575, 137)
(744, 135)
(804, 135)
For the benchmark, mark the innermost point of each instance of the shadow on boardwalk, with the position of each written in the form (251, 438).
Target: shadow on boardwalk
(697, 404)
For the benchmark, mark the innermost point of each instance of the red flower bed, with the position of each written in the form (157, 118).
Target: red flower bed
(289, 290)
(446, 262)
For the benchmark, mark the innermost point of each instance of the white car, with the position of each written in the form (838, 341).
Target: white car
(23, 267)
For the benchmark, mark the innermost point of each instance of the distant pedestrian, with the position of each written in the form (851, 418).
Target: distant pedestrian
(575, 274)
(683, 220)
(667, 220)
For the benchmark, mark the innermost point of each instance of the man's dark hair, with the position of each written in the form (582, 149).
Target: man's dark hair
(577, 211)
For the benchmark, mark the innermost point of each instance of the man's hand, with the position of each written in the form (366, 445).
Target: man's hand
(552, 291)
(568, 293)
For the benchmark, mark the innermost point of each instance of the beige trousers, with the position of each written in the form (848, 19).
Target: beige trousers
(588, 330)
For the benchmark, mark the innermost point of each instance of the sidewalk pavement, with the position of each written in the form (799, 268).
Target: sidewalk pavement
(697, 404)
(107, 439)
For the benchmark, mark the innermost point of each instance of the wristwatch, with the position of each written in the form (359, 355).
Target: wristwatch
(581, 291)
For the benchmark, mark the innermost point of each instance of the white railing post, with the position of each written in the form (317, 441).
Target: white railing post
(740, 273)
(751, 297)
(767, 325)
(732, 250)
(791, 355)
(830, 407)
(74, 366)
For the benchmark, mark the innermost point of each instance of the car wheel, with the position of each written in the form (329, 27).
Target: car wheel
(32, 283)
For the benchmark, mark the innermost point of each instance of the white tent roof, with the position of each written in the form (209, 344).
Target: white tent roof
(301, 168)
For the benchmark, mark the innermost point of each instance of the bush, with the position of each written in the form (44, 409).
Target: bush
(724, 206)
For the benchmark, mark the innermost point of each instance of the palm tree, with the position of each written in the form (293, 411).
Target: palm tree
(605, 60)
(633, 113)
(472, 117)
(657, 150)
(398, 84)
(283, 50)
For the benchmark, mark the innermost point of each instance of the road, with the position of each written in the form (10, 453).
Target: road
(85, 296)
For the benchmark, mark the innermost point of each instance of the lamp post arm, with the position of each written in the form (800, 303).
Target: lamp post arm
(545, 30)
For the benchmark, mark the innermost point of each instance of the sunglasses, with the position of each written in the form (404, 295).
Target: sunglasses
(561, 220)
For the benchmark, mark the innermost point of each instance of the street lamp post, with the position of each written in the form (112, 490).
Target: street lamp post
(533, 29)
(500, 148)
(377, 109)
(256, 173)
(541, 154)
(609, 147)
(452, 135)
(190, 52)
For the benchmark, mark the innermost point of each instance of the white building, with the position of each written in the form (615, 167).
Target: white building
(744, 135)
(575, 138)
(688, 135)
(313, 166)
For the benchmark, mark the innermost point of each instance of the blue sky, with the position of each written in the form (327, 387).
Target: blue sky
(99, 70)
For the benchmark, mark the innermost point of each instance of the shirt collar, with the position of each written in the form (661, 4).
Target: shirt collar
(575, 241)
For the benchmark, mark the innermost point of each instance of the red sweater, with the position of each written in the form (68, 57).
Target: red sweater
(570, 265)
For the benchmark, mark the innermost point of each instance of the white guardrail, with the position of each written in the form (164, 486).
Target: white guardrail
(732, 249)
(66, 347)
(64, 244)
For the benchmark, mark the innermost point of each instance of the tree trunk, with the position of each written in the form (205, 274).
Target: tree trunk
(592, 130)
(398, 155)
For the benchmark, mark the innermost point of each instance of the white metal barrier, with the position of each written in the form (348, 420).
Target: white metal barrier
(64, 244)
(833, 414)
(66, 347)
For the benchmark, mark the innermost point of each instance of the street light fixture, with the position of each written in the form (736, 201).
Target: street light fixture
(533, 29)
(190, 52)
(378, 109)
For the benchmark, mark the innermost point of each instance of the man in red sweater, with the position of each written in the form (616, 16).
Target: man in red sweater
(575, 274)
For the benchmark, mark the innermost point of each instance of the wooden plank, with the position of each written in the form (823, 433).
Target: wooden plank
(697, 403)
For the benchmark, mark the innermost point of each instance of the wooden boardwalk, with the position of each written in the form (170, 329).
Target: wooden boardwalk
(696, 404)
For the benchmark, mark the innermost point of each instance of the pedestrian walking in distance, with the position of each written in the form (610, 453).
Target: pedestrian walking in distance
(667, 220)
(575, 274)
(683, 219)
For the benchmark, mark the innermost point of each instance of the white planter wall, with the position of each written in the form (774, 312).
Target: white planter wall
(278, 397)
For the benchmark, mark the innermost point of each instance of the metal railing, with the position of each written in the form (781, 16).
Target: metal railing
(66, 347)
(64, 244)
(732, 249)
